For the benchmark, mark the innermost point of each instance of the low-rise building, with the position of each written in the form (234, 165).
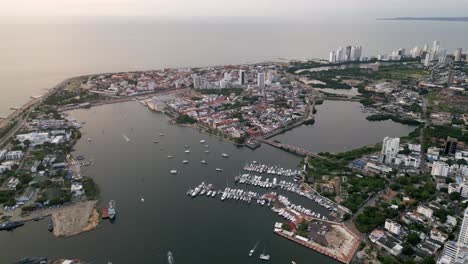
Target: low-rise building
(393, 227)
(14, 155)
(426, 211)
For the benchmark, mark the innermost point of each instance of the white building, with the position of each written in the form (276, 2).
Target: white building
(14, 155)
(463, 236)
(454, 253)
(393, 227)
(34, 138)
(390, 149)
(332, 57)
(414, 147)
(2, 154)
(426, 211)
(261, 80)
(427, 60)
(440, 169)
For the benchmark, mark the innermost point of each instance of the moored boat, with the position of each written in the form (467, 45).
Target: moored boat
(105, 213)
(10, 225)
(111, 210)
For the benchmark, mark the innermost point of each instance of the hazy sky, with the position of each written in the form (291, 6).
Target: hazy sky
(234, 8)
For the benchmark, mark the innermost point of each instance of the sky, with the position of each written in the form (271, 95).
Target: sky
(233, 8)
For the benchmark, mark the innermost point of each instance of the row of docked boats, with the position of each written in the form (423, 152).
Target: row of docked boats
(203, 189)
(273, 170)
(256, 180)
(298, 208)
(239, 195)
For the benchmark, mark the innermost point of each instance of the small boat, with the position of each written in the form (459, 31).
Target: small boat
(224, 155)
(207, 146)
(252, 251)
(185, 161)
(207, 151)
(187, 146)
(219, 169)
(89, 139)
(174, 172)
(170, 258)
(187, 151)
(111, 210)
(204, 162)
(142, 199)
(155, 141)
(50, 225)
(202, 141)
(161, 134)
(264, 256)
(170, 157)
(10, 225)
(293, 262)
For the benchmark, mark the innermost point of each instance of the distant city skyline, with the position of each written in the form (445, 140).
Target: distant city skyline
(234, 8)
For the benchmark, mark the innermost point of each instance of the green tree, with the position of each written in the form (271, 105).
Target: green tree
(413, 238)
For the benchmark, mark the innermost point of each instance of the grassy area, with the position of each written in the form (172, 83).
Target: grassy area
(359, 189)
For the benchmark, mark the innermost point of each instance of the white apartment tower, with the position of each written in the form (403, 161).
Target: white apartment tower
(463, 236)
(390, 148)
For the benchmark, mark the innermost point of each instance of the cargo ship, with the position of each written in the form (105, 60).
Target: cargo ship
(10, 225)
(111, 210)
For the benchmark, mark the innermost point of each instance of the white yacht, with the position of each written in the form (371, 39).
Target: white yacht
(174, 172)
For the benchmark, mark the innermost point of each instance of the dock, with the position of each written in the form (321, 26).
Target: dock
(342, 252)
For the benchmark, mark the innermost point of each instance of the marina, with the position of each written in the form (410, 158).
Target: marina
(140, 221)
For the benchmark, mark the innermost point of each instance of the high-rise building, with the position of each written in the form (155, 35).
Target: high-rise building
(454, 253)
(436, 46)
(463, 236)
(332, 57)
(347, 56)
(442, 55)
(196, 82)
(450, 146)
(457, 54)
(242, 77)
(261, 80)
(390, 148)
(339, 55)
(427, 60)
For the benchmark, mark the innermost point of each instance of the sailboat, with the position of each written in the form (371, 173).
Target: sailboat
(264, 256)
(252, 251)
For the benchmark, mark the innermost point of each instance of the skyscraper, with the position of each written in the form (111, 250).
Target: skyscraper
(450, 78)
(390, 148)
(463, 236)
(347, 55)
(436, 46)
(339, 54)
(427, 60)
(457, 54)
(241, 77)
(332, 57)
(261, 80)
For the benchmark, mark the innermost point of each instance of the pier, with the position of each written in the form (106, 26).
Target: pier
(345, 256)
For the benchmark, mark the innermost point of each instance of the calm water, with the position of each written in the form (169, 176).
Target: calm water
(35, 56)
(200, 230)
(340, 126)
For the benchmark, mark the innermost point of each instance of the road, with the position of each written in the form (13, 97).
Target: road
(422, 165)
